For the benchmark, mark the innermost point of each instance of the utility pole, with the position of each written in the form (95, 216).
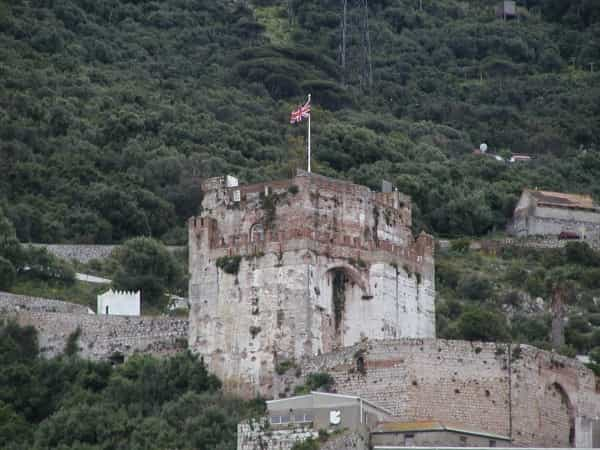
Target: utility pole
(344, 29)
(420, 5)
(592, 67)
(355, 47)
(368, 45)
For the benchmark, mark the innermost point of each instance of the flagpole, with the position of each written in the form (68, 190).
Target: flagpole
(309, 137)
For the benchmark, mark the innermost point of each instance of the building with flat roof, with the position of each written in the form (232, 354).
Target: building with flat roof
(326, 411)
(433, 433)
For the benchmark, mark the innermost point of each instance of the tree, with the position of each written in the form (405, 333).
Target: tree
(13, 427)
(481, 325)
(7, 273)
(10, 248)
(145, 264)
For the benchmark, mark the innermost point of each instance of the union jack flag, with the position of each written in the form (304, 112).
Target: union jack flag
(301, 113)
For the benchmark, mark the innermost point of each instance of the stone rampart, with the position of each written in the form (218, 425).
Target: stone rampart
(85, 253)
(12, 303)
(536, 397)
(101, 337)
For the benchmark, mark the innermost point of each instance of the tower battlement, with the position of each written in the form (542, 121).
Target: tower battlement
(318, 264)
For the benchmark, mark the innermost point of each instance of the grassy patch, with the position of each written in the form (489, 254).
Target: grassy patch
(78, 292)
(274, 19)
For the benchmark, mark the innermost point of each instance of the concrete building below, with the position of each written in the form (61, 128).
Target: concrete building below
(433, 433)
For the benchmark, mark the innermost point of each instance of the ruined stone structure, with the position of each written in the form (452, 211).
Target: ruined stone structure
(299, 267)
(537, 398)
(543, 213)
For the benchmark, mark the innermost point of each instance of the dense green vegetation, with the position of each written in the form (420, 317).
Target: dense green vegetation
(111, 111)
(144, 264)
(508, 296)
(26, 264)
(139, 264)
(145, 403)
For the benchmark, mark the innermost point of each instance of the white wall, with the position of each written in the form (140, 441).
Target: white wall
(119, 303)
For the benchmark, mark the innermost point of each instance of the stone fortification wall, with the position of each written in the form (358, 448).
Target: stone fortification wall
(85, 253)
(538, 398)
(101, 336)
(12, 303)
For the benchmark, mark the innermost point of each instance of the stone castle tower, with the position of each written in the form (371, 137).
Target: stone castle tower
(299, 267)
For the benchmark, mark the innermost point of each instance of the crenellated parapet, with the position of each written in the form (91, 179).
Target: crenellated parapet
(301, 266)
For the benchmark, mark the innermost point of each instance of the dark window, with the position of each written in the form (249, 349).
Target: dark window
(463, 441)
(257, 233)
(409, 440)
(492, 443)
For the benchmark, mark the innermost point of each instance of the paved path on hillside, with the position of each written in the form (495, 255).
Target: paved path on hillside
(92, 278)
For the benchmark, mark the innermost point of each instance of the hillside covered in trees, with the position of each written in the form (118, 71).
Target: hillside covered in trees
(145, 403)
(112, 111)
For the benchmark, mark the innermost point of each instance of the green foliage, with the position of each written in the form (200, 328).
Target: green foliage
(145, 264)
(229, 264)
(317, 381)
(43, 265)
(143, 403)
(595, 355)
(581, 253)
(460, 245)
(8, 274)
(283, 366)
(102, 139)
(72, 345)
(308, 444)
(567, 350)
(530, 329)
(481, 325)
(78, 292)
(475, 288)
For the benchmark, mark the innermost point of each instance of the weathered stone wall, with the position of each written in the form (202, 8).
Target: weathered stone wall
(493, 245)
(102, 336)
(347, 441)
(538, 398)
(85, 253)
(324, 264)
(11, 303)
(257, 436)
(531, 220)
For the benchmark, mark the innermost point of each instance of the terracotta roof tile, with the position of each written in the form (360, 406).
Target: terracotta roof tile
(562, 200)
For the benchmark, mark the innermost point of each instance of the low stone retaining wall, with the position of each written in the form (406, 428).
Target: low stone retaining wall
(85, 253)
(101, 336)
(12, 303)
(104, 336)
